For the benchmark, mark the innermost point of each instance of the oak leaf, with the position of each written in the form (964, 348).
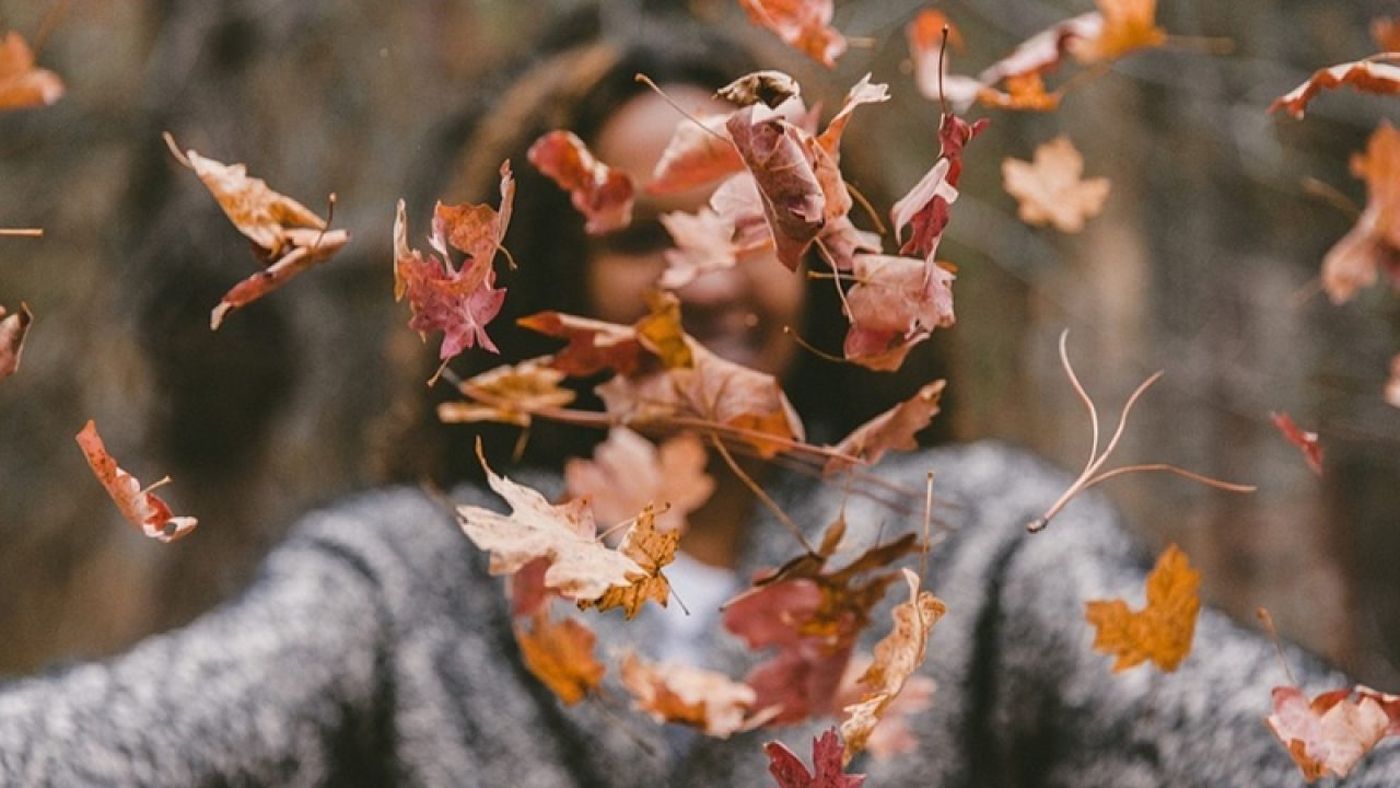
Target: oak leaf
(703, 699)
(804, 25)
(628, 472)
(827, 768)
(142, 508)
(1160, 632)
(581, 567)
(1305, 441)
(892, 430)
(602, 194)
(896, 304)
(22, 84)
(560, 655)
(1372, 246)
(509, 394)
(288, 237)
(1367, 76)
(897, 656)
(1328, 735)
(1051, 189)
(13, 329)
(651, 550)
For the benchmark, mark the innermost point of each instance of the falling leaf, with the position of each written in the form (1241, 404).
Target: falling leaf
(593, 346)
(1024, 92)
(703, 699)
(459, 302)
(1050, 189)
(581, 567)
(21, 83)
(704, 243)
(770, 87)
(829, 772)
(651, 550)
(560, 655)
(697, 154)
(812, 617)
(509, 394)
(660, 331)
(927, 206)
(13, 330)
(898, 302)
(289, 236)
(804, 25)
(863, 92)
(892, 735)
(1305, 441)
(142, 508)
(794, 204)
(892, 430)
(1367, 76)
(602, 194)
(628, 472)
(897, 656)
(1126, 26)
(1330, 734)
(1160, 632)
(1392, 386)
(1373, 244)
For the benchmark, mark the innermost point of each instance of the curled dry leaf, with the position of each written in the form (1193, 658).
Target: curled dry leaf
(804, 25)
(1367, 76)
(594, 346)
(1305, 441)
(22, 84)
(892, 430)
(698, 154)
(896, 304)
(651, 550)
(793, 201)
(812, 618)
(581, 567)
(768, 86)
(628, 472)
(290, 238)
(897, 656)
(560, 655)
(142, 508)
(13, 329)
(1372, 246)
(1162, 631)
(602, 194)
(827, 768)
(1328, 735)
(927, 206)
(509, 394)
(892, 735)
(703, 699)
(1024, 93)
(1051, 190)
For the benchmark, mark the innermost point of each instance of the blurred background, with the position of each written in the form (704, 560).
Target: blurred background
(1204, 264)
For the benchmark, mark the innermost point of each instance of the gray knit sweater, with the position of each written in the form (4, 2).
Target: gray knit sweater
(374, 649)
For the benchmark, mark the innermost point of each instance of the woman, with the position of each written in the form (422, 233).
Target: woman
(374, 647)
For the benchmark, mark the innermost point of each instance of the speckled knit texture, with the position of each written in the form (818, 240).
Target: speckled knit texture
(373, 649)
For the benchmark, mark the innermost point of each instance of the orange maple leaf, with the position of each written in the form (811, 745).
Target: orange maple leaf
(1128, 25)
(804, 25)
(1051, 189)
(560, 654)
(1163, 630)
(21, 83)
(651, 550)
(1025, 92)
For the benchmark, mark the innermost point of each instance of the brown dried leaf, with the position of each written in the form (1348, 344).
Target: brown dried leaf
(704, 243)
(13, 330)
(703, 699)
(593, 346)
(1160, 632)
(660, 331)
(804, 25)
(898, 302)
(892, 430)
(1367, 76)
(21, 83)
(509, 394)
(769, 87)
(1126, 26)
(1330, 734)
(457, 302)
(561, 656)
(1050, 189)
(628, 472)
(651, 550)
(581, 567)
(142, 508)
(897, 656)
(1373, 244)
(776, 155)
(602, 194)
(697, 154)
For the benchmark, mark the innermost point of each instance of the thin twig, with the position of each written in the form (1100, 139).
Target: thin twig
(1168, 468)
(646, 80)
(1331, 195)
(762, 496)
(869, 209)
(928, 519)
(813, 349)
(1268, 622)
(21, 232)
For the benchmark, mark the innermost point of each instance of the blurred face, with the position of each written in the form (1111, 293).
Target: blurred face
(738, 313)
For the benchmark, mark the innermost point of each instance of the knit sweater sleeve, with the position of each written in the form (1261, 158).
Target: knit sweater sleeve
(354, 658)
(1039, 706)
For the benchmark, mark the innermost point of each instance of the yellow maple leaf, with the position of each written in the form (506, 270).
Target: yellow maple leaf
(1160, 632)
(651, 549)
(560, 654)
(1127, 25)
